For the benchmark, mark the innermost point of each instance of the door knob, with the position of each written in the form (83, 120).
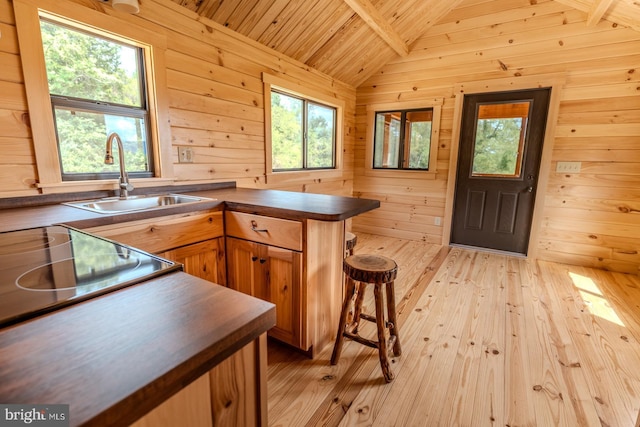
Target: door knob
(530, 189)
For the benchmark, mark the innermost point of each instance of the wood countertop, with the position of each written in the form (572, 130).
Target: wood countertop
(116, 357)
(282, 204)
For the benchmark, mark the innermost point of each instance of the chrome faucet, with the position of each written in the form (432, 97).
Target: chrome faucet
(125, 186)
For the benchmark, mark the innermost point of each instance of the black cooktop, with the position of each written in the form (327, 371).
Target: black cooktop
(43, 269)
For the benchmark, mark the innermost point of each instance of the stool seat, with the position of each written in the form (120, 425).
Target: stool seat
(379, 271)
(370, 268)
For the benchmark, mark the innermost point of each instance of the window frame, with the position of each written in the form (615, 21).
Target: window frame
(28, 14)
(305, 130)
(288, 88)
(406, 106)
(404, 148)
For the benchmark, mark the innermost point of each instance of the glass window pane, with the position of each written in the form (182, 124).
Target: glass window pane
(499, 143)
(84, 66)
(387, 140)
(320, 132)
(419, 123)
(82, 137)
(286, 132)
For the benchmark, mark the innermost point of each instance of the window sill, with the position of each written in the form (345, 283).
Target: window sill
(302, 176)
(96, 185)
(400, 173)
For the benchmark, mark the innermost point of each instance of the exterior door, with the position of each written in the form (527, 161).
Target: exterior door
(499, 157)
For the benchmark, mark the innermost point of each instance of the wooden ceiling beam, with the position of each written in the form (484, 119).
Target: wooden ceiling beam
(597, 11)
(376, 21)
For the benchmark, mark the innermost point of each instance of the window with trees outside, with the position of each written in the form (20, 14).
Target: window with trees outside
(303, 133)
(499, 140)
(402, 139)
(96, 87)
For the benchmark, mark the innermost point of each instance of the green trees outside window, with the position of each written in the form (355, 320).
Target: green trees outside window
(497, 146)
(303, 133)
(500, 139)
(96, 87)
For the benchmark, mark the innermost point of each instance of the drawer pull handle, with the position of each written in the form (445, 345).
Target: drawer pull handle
(254, 227)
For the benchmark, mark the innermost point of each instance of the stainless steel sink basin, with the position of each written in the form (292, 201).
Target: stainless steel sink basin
(113, 205)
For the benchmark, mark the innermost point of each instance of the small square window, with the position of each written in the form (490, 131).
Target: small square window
(402, 139)
(303, 134)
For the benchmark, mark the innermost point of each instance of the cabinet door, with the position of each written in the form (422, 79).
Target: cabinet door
(272, 274)
(205, 260)
(244, 273)
(284, 289)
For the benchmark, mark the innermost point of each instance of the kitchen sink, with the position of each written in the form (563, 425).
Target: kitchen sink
(113, 205)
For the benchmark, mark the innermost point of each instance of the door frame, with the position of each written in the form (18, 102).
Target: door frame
(556, 83)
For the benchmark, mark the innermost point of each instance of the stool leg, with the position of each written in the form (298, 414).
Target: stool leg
(383, 352)
(357, 311)
(337, 348)
(391, 309)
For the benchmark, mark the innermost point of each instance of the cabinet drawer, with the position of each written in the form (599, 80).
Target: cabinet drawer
(164, 233)
(271, 231)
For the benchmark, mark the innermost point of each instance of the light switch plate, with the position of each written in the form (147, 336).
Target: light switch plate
(185, 154)
(570, 167)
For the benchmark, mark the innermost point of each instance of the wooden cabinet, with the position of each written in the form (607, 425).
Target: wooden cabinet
(294, 264)
(194, 240)
(231, 394)
(272, 274)
(204, 259)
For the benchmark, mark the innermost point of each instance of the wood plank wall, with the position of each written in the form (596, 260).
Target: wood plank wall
(591, 218)
(215, 95)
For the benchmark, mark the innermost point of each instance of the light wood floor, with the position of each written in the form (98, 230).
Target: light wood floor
(487, 340)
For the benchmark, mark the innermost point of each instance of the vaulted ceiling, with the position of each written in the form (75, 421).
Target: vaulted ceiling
(352, 39)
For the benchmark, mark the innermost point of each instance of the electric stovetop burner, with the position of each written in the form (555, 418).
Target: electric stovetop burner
(43, 269)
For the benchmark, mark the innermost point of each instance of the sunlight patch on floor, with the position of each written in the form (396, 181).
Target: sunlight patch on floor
(594, 299)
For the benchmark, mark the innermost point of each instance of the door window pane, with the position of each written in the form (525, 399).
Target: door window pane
(499, 139)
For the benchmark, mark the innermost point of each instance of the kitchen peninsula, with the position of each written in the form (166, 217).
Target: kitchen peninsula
(117, 357)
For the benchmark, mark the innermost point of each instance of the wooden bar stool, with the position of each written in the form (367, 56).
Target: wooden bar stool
(350, 241)
(379, 271)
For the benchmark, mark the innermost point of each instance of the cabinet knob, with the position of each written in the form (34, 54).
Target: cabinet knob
(254, 258)
(262, 260)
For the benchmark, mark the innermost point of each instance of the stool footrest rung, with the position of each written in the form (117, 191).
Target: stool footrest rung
(368, 317)
(363, 341)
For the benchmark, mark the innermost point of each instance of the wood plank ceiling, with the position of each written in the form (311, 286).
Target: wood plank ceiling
(352, 39)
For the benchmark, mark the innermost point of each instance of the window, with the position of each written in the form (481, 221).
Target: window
(303, 133)
(96, 87)
(403, 139)
(88, 73)
(499, 140)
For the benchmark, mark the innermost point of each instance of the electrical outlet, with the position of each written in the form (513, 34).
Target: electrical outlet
(437, 221)
(571, 167)
(185, 155)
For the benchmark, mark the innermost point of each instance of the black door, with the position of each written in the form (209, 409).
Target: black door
(500, 148)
